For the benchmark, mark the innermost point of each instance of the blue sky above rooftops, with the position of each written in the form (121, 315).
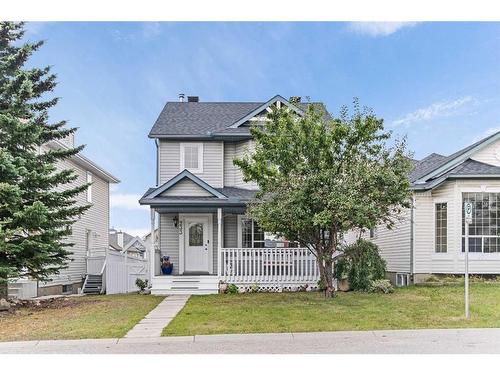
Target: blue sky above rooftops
(436, 83)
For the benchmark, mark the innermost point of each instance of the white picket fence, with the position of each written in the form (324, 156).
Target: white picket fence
(272, 266)
(122, 272)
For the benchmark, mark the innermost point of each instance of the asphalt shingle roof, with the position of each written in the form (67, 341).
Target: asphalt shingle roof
(206, 118)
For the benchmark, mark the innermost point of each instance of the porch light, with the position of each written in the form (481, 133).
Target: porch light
(176, 221)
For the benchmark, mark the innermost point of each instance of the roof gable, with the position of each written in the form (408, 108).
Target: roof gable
(257, 111)
(457, 158)
(185, 174)
(134, 242)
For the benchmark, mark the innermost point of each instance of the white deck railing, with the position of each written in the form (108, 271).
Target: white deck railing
(268, 266)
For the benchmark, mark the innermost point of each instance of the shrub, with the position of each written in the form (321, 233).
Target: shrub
(141, 284)
(360, 264)
(381, 286)
(232, 289)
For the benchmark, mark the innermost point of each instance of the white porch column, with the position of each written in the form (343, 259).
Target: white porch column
(219, 241)
(152, 250)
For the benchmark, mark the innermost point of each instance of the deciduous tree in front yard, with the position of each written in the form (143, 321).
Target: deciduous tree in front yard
(320, 178)
(37, 208)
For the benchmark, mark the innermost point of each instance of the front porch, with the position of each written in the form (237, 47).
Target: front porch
(207, 236)
(223, 246)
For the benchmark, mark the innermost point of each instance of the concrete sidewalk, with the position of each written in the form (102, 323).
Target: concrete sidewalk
(152, 325)
(428, 341)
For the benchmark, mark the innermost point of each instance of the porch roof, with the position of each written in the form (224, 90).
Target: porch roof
(232, 198)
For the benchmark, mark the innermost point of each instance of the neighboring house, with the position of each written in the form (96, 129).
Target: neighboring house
(200, 201)
(89, 233)
(429, 238)
(125, 243)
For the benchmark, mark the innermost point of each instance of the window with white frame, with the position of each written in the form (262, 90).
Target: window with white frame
(441, 237)
(402, 279)
(252, 236)
(192, 157)
(484, 231)
(89, 188)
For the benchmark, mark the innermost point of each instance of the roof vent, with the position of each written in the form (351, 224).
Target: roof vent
(193, 99)
(181, 98)
(295, 99)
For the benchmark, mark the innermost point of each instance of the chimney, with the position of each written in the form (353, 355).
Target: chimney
(119, 239)
(181, 98)
(193, 99)
(295, 99)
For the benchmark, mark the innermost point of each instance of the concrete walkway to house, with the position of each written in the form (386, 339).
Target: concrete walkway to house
(152, 325)
(428, 341)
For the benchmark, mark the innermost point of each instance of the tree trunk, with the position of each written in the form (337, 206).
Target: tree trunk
(326, 275)
(4, 293)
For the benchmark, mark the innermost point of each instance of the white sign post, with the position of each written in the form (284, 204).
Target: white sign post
(468, 220)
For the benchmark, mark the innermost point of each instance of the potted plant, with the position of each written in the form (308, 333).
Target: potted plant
(166, 265)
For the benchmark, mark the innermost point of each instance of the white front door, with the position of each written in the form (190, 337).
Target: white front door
(197, 244)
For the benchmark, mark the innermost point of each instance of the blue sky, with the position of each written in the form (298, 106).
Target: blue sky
(437, 83)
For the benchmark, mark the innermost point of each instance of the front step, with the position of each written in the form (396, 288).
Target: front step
(93, 284)
(165, 285)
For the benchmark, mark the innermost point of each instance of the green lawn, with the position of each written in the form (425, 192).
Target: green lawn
(406, 308)
(78, 318)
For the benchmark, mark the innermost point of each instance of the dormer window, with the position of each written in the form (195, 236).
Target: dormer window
(192, 157)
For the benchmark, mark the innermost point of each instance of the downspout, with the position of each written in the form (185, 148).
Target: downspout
(412, 237)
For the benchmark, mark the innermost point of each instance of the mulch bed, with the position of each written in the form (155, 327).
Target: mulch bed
(17, 306)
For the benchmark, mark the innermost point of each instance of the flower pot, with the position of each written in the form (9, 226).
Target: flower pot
(167, 270)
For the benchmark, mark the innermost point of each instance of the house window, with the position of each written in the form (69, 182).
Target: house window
(89, 188)
(372, 233)
(441, 213)
(192, 157)
(484, 231)
(402, 279)
(252, 236)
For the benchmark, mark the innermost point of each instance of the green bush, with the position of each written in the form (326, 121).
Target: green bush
(141, 284)
(360, 264)
(381, 286)
(232, 289)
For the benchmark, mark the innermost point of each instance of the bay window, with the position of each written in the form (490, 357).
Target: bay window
(484, 231)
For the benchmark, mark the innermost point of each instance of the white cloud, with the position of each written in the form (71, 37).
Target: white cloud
(151, 29)
(378, 28)
(439, 109)
(126, 201)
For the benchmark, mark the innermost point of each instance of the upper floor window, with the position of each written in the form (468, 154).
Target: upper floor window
(89, 188)
(192, 157)
(441, 227)
(484, 231)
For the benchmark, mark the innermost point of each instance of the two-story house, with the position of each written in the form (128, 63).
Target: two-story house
(200, 202)
(89, 233)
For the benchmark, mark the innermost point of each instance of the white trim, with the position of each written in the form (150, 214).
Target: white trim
(182, 238)
(199, 145)
(89, 188)
(434, 202)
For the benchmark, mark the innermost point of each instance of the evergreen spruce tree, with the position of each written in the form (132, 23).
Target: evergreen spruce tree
(37, 208)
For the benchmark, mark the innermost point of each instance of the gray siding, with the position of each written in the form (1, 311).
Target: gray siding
(186, 188)
(232, 174)
(230, 230)
(169, 162)
(169, 240)
(95, 219)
